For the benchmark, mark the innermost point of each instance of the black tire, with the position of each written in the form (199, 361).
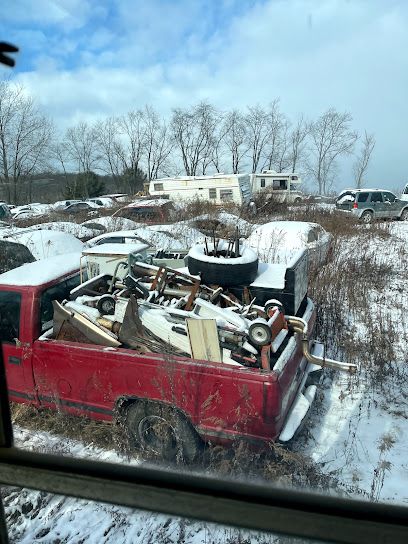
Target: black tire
(366, 217)
(163, 432)
(106, 305)
(404, 215)
(222, 271)
(259, 332)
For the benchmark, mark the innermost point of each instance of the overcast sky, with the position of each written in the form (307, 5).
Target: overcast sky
(85, 59)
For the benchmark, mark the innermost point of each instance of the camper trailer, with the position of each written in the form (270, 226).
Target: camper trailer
(220, 188)
(285, 185)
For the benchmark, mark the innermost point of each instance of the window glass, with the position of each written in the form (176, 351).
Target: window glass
(212, 193)
(226, 195)
(10, 304)
(376, 197)
(312, 236)
(56, 292)
(158, 186)
(363, 197)
(111, 240)
(389, 196)
(262, 182)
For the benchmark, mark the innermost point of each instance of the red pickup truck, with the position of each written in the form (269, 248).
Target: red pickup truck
(169, 404)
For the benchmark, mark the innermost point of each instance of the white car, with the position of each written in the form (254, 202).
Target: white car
(30, 210)
(278, 240)
(102, 201)
(117, 237)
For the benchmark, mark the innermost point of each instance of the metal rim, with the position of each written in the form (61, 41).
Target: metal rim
(367, 217)
(260, 334)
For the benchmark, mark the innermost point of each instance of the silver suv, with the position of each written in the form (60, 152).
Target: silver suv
(369, 204)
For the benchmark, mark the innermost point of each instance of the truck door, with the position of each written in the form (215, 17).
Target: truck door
(16, 353)
(391, 204)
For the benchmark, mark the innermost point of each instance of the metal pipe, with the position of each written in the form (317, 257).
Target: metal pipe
(299, 326)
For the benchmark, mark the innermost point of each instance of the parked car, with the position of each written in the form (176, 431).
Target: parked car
(103, 202)
(45, 243)
(108, 224)
(404, 195)
(64, 203)
(278, 240)
(77, 207)
(118, 237)
(147, 211)
(5, 213)
(13, 255)
(30, 210)
(369, 204)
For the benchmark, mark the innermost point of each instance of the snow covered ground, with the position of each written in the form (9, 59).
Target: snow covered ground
(359, 431)
(356, 432)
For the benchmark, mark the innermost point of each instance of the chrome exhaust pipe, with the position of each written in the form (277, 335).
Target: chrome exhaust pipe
(299, 326)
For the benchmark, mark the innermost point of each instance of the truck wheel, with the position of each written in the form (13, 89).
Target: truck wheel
(106, 305)
(163, 432)
(404, 215)
(367, 217)
(223, 271)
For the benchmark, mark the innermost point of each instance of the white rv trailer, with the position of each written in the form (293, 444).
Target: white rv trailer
(220, 188)
(285, 185)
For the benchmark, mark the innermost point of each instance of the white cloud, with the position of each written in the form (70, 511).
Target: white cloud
(312, 55)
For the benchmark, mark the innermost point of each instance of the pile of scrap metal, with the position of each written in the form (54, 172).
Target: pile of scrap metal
(165, 310)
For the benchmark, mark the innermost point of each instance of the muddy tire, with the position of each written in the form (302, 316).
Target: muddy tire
(162, 432)
(366, 217)
(224, 271)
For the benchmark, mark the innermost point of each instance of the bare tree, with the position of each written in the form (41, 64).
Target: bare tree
(361, 164)
(276, 146)
(283, 147)
(158, 142)
(234, 130)
(193, 132)
(81, 146)
(133, 130)
(297, 141)
(110, 148)
(24, 136)
(331, 137)
(258, 133)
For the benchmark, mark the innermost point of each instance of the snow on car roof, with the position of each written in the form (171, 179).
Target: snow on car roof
(47, 243)
(285, 234)
(115, 249)
(154, 202)
(41, 272)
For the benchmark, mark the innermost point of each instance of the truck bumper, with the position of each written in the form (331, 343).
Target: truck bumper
(304, 399)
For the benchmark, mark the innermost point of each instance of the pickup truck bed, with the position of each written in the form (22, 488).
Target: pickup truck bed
(191, 399)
